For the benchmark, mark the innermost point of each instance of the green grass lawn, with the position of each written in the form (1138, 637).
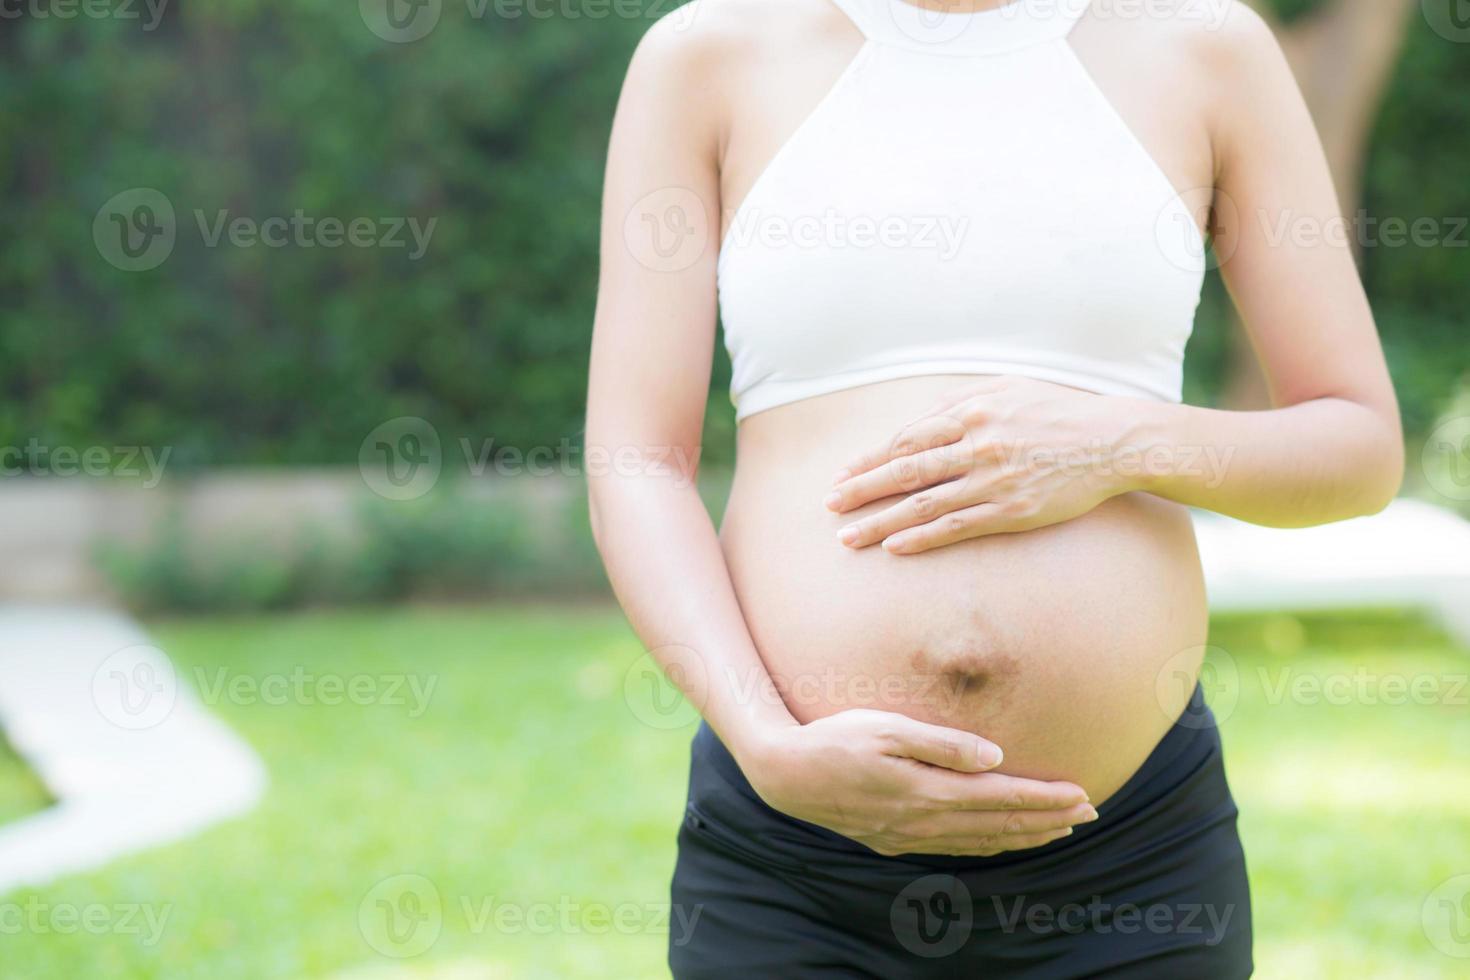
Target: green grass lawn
(540, 813)
(20, 792)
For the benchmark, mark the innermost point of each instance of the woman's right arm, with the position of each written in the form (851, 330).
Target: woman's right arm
(891, 782)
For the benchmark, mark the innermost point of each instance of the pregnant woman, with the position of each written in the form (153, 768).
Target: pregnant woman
(946, 640)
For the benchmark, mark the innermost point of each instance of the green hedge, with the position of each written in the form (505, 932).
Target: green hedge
(494, 126)
(448, 544)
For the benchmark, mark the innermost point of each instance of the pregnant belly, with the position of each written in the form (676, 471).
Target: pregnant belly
(1073, 647)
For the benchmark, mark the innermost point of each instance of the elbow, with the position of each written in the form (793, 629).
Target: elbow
(1377, 501)
(597, 479)
(596, 507)
(1384, 474)
(593, 521)
(1386, 494)
(1389, 487)
(622, 486)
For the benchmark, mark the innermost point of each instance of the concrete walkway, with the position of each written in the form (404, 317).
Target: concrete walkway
(135, 760)
(129, 753)
(1413, 555)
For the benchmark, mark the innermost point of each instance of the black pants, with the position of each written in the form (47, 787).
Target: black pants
(1154, 888)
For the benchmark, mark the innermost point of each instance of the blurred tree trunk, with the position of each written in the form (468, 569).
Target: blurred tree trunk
(1343, 54)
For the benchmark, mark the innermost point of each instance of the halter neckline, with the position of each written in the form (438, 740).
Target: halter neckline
(1008, 27)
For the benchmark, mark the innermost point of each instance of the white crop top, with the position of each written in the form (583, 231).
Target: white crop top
(964, 200)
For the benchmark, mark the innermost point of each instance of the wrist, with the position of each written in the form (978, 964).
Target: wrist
(757, 743)
(1143, 448)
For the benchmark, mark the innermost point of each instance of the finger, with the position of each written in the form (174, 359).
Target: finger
(997, 791)
(999, 823)
(928, 433)
(902, 475)
(948, 748)
(963, 393)
(933, 505)
(985, 846)
(953, 525)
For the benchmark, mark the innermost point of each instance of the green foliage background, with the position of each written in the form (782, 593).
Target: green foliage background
(494, 125)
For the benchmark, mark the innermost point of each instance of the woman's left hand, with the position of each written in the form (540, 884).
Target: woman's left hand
(1006, 454)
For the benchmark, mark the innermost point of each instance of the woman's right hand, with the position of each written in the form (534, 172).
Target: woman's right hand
(901, 786)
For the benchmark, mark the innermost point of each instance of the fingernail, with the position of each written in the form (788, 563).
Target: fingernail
(1089, 815)
(1067, 832)
(991, 756)
(841, 475)
(848, 535)
(833, 499)
(895, 544)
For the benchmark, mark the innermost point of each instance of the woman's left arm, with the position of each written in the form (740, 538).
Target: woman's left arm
(1011, 454)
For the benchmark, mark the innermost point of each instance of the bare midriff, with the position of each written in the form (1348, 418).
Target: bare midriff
(1073, 647)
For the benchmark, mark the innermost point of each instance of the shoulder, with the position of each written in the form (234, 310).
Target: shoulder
(1194, 43)
(1251, 95)
(1225, 66)
(1231, 43)
(708, 38)
(695, 66)
(1213, 35)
